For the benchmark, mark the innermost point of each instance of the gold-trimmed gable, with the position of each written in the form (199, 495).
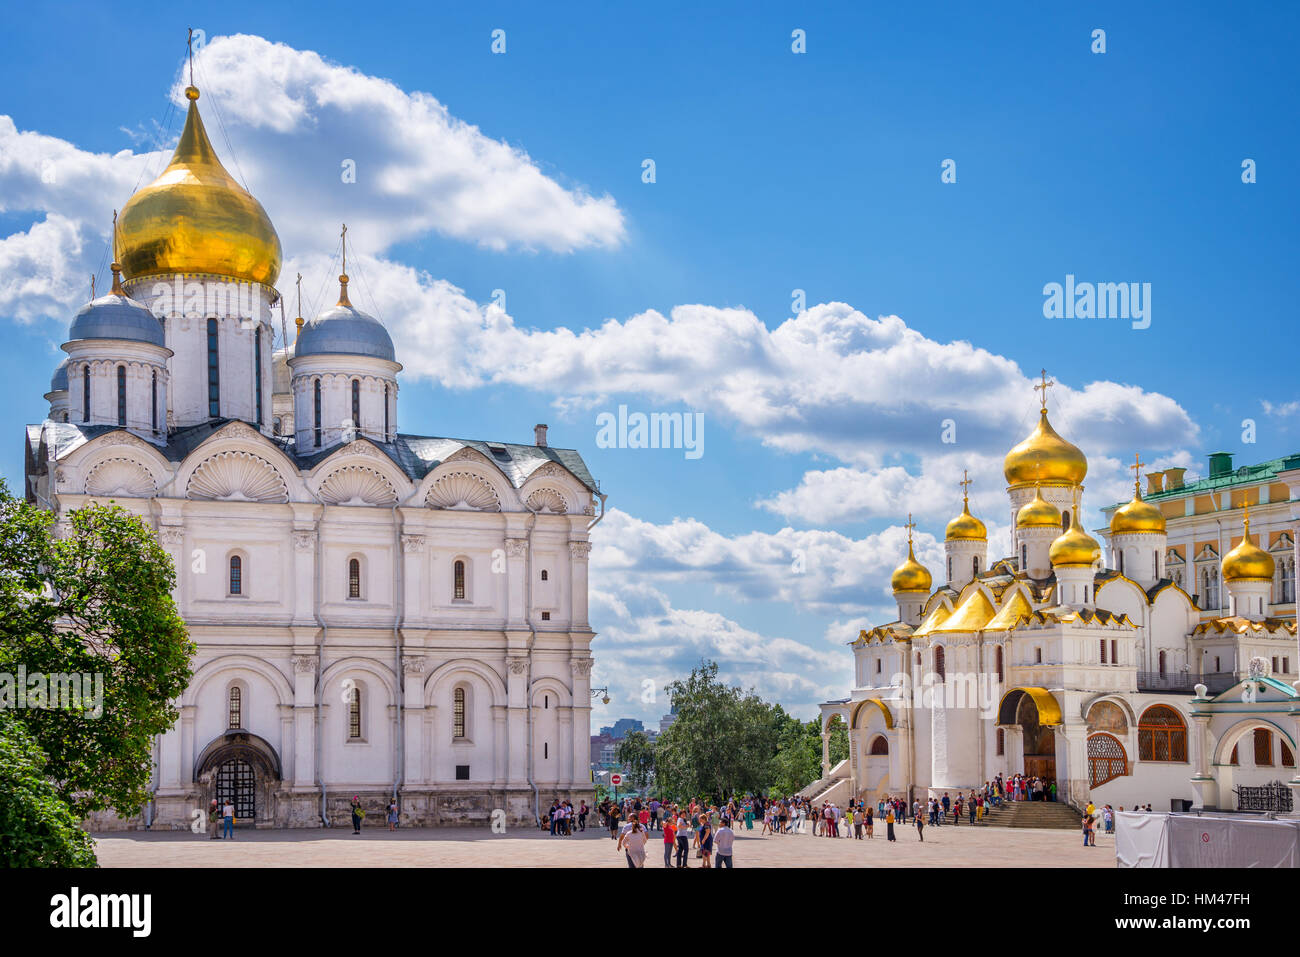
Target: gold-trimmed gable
(1015, 611)
(971, 615)
(1049, 711)
(884, 709)
(937, 617)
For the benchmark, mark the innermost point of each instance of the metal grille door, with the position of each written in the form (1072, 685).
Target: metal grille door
(237, 784)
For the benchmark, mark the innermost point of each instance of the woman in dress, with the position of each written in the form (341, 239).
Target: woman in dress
(392, 815)
(704, 841)
(889, 823)
(870, 824)
(633, 843)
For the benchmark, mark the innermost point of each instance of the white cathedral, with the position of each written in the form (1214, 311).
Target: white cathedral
(376, 613)
(1120, 673)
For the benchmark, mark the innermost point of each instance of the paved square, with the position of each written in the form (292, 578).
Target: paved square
(473, 847)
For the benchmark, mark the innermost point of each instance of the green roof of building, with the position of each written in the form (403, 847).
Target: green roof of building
(1244, 475)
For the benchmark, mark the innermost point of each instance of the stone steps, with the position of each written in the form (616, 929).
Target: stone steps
(1037, 814)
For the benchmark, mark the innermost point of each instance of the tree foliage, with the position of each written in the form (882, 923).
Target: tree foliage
(637, 754)
(95, 601)
(37, 828)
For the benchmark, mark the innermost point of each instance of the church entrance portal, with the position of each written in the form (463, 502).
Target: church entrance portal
(1019, 708)
(237, 784)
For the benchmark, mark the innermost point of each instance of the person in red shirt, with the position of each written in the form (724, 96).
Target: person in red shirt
(670, 840)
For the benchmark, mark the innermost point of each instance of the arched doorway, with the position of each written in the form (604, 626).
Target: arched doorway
(1037, 714)
(244, 769)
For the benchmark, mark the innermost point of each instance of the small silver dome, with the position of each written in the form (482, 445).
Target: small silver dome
(344, 330)
(59, 381)
(117, 317)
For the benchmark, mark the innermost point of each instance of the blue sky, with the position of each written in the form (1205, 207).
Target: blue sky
(775, 171)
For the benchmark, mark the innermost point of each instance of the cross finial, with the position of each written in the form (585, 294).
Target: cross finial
(92, 285)
(1246, 520)
(189, 43)
(297, 322)
(965, 484)
(343, 277)
(1043, 386)
(909, 526)
(1137, 472)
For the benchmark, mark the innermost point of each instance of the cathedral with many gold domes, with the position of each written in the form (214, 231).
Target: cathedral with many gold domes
(1116, 671)
(379, 614)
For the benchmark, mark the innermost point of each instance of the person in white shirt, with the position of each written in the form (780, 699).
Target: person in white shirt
(723, 843)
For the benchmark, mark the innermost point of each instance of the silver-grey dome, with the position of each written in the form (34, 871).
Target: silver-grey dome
(117, 317)
(59, 381)
(343, 330)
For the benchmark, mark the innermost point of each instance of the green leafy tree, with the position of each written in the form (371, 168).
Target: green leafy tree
(37, 828)
(637, 754)
(95, 601)
(722, 742)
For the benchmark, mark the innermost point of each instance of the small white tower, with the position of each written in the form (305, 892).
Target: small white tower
(1038, 525)
(1248, 573)
(965, 543)
(1074, 559)
(1138, 536)
(911, 583)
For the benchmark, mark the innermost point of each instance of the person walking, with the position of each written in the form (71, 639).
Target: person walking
(726, 841)
(214, 820)
(889, 823)
(582, 816)
(670, 839)
(683, 841)
(357, 813)
(632, 842)
(228, 821)
(920, 827)
(870, 824)
(613, 821)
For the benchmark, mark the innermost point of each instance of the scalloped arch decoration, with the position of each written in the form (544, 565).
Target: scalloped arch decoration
(464, 491)
(357, 485)
(237, 477)
(547, 499)
(122, 477)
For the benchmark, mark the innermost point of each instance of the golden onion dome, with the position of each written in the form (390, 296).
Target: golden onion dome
(1075, 547)
(194, 218)
(1247, 561)
(1038, 513)
(966, 527)
(1044, 457)
(1137, 516)
(911, 575)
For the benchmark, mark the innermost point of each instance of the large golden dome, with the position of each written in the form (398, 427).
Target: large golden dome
(966, 527)
(194, 218)
(1038, 512)
(911, 575)
(1247, 561)
(1075, 547)
(1137, 516)
(1044, 457)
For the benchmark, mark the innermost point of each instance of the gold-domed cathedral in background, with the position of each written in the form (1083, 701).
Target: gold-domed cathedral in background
(1088, 663)
(382, 614)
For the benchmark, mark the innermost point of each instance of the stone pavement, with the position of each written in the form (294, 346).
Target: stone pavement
(949, 846)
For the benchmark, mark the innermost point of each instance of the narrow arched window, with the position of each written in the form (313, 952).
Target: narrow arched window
(85, 394)
(236, 575)
(949, 568)
(236, 707)
(544, 578)
(317, 410)
(1162, 664)
(1065, 519)
(153, 402)
(257, 371)
(975, 565)
(354, 714)
(356, 404)
(121, 395)
(939, 667)
(1121, 563)
(458, 713)
(458, 571)
(1024, 558)
(386, 435)
(214, 372)
(997, 660)
(1001, 742)
(354, 578)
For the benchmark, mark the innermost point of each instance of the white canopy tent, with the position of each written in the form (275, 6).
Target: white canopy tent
(1151, 839)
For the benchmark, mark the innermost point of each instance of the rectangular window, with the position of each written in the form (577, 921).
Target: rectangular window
(1263, 748)
(121, 395)
(85, 394)
(317, 403)
(214, 373)
(153, 402)
(546, 616)
(458, 714)
(354, 714)
(1103, 651)
(386, 413)
(462, 772)
(1114, 651)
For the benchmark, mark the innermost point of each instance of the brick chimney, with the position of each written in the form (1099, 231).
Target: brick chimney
(539, 435)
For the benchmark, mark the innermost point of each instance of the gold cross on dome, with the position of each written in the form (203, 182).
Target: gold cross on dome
(909, 526)
(1137, 467)
(965, 484)
(1043, 386)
